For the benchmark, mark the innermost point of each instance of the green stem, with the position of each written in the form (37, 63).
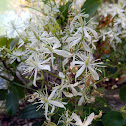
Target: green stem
(16, 83)
(110, 76)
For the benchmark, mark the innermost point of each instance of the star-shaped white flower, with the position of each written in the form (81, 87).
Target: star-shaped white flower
(45, 101)
(86, 62)
(36, 63)
(86, 122)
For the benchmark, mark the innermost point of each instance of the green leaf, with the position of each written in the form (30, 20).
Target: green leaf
(4, 41)
(14, 42)
(113, 118)
(63, 16)
(124, 115)
(101, 90)
(3, 94)
(36, 124)
(12, 101)
(90, 7)
(29, 112)
(20, 90)
(122, 93)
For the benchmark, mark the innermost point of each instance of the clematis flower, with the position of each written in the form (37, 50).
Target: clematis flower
(66, 119)
(16, 55)
(36, 63)
(86, 122)
(83, 34)
(86, 62)
(45, 101)
(51, 46)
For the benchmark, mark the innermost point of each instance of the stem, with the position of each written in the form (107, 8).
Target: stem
(110, 75)
(16, 83)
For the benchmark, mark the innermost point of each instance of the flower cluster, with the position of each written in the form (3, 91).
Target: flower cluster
(114, 16)
(44, 47)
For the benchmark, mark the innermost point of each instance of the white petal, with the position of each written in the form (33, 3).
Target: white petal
(46, 61)
(63, 53)
(67, 94)
(69, 39)
(86, 34)
(56, 103)
(65, 61)
(79, 30)
(78, 62)
(73, 91)
(61, 75)
(81, 101)
(80, 71)
(89, 119)
(56, 45)
(44, 67)
(52, 94)
(94, 73)
(53, 108)
(75, 42)
(46, 110)
(86, 47)
(77, 119)
(35, 75)
(93, 32)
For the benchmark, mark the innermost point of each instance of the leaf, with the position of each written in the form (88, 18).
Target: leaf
(113, 118)
(124, 115)
(49, 124)
(20, 90)
(29, 112)
(14, 42)
(101, 90)
(4, 41)
(63, 16)
(122, 93)
(36, 123)
(3, 94)
(12, 101)
(90, 7)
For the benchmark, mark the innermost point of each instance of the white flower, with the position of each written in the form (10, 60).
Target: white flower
(86, 122)
(121, 19)
(46, 101)
(14, 24)
(72, 88)
(66, 119)
(36, 63)
(103, 34)
(83, 98)
(16, 55)
(86, 62)
(115, 9)
(82, 35)
(51, 46)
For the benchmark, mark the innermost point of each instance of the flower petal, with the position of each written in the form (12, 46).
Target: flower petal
(62, 53)
(46, 110)
(94, 73)
(79, 72)
(44, 67)
(75, 42)
(77, 119)
(81, 101)
(52, 94)
(67, 94)
(89, 119)
(56, 103)
(35, 75)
